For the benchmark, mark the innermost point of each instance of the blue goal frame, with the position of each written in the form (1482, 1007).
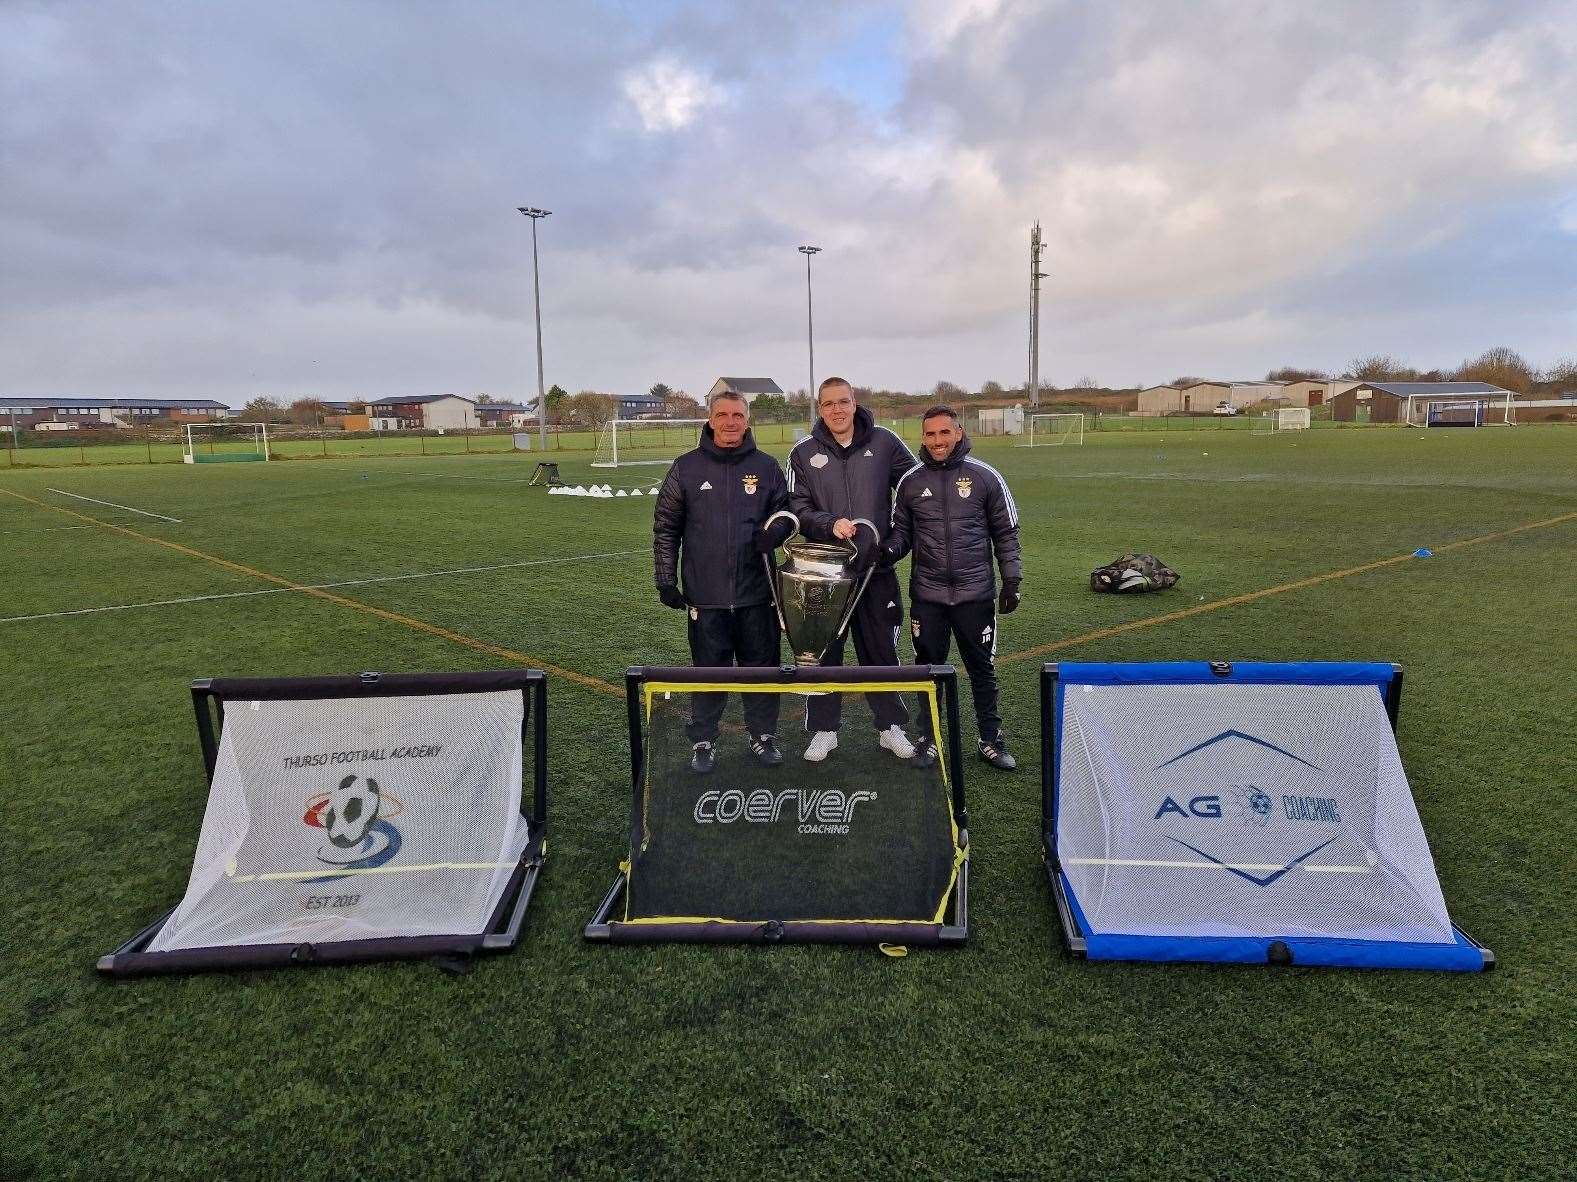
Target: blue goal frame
(1464, 954)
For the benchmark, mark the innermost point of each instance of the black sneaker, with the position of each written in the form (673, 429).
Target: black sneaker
(924, 753)
(702, 760)
(765, 749)
(996, 754)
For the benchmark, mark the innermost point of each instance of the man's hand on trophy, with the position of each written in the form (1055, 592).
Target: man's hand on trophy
(769, 537)
(1008, 600)
(844, 529)
(671, 596)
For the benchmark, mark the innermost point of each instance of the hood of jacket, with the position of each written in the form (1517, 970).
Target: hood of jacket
(864, 424)
(727, 455)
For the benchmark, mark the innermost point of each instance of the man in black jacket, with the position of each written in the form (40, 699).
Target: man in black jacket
(954, 512)
(709, 511)
(844, 472)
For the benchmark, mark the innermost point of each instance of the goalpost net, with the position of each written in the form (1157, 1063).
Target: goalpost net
(1286, 418)
(1458, 410)
(221, 443)
(623, 443)
(1054, 430)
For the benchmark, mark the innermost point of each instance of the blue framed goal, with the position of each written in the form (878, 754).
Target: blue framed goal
(1247, 813)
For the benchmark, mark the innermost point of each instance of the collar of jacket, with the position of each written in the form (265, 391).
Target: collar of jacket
(727, 455)
(864, 425)
(954, 458)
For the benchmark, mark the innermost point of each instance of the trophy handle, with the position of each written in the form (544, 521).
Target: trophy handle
(766, 562)
(854, 600)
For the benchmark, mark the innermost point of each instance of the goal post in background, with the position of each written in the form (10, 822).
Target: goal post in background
(223, 443)
(624, 443)
(1286, 418)
(1054, 430)
(1459, 410)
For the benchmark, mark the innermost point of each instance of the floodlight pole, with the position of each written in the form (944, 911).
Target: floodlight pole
(1032, 386)
(810, 331)
(536, 288)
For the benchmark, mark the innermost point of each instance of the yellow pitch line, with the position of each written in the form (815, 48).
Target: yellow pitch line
(1250, 596)
(480, 646)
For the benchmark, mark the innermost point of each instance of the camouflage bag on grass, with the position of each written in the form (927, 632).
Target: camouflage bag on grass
(1133, 573)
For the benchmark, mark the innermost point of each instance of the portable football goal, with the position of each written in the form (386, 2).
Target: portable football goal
(1491, 409)
(1286, 418)
(1054, 430)
(625, 443)
(225, 443)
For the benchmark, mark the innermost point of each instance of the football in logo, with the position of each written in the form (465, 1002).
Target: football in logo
(965, 486)
(750, 484)
(351, 810)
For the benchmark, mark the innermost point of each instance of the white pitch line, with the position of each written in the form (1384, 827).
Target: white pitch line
(443, 475)
(113, 505)
(431, 574)
(1210, 865)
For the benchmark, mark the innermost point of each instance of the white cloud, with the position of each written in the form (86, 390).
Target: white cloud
(668, 96)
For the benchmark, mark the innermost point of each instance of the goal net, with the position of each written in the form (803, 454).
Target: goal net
(1458, 410)
(218, 443)
(1054, 430)
(624, 443)
(863, 849)
(1287, 418)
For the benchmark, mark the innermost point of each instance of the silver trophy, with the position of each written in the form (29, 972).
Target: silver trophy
(816, 590)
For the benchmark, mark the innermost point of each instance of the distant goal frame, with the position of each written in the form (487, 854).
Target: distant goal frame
(1075, 436)
(1283, 418)
(259, 439)
(610, 431)
(1419, 408)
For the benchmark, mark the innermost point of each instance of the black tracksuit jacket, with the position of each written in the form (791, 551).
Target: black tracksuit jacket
(707, 512)
(954, 515)
(827, 481)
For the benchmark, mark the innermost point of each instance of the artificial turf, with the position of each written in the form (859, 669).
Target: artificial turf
(1004, 1058)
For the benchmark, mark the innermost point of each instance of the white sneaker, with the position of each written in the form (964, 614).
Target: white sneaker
(896, 741)
(822, 744)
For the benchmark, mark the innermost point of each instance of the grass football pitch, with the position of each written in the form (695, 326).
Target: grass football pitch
(1005, 1058)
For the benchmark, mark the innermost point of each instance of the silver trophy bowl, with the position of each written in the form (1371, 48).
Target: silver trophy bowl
(815, 591)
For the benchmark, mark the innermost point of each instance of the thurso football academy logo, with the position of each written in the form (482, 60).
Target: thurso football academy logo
(355, 817)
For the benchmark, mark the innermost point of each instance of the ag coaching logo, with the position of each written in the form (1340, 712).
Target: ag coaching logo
(1250, 805)
(356, 818)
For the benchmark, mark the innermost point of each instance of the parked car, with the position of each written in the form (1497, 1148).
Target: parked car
(1224, 408)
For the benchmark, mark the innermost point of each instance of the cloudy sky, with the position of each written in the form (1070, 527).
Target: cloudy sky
(226, 199)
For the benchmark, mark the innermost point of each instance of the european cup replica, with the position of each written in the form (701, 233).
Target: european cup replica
(815, 591)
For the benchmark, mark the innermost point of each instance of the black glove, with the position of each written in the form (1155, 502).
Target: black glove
(768, 538)
(1008, 600)
(867, 549)
(889, 556)
(671, 596)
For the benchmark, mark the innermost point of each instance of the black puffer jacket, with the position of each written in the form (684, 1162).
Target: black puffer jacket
(827, 481)
(707, 509)
(953, 515)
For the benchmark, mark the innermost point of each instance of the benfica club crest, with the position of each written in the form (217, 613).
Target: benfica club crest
(750, 484)
(964, 485)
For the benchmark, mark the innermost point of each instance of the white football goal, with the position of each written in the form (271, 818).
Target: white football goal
(225, 443)
(627, 442)
(1286, 418)
(1054, 430)
(1459, 410)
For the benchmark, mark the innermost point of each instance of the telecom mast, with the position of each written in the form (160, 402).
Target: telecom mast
(1032, 387)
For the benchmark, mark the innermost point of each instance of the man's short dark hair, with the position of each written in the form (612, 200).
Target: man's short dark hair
(835, 381)
(722, 394)
(937, 412)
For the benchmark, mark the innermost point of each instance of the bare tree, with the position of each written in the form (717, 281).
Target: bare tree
(1293, 373)
(1563, 374)
(1499, 366)
(1187, 379)
(262, 409)
(1380, 367)
(589, 409)
(307, 412)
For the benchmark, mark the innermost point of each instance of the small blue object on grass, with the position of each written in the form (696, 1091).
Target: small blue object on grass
(1423, 553)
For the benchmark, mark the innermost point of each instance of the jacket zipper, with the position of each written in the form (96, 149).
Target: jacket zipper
(733, 566)
(947, 531)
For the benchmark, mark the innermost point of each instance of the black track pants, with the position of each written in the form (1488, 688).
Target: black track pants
(877, 621)
(933, 627)
(723, 636)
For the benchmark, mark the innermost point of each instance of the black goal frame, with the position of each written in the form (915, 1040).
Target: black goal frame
(209, 696)
(604, 929)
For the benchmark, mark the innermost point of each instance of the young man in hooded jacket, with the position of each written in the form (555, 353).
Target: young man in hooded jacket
(843, 472)
(954, 512)
(706, 539)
